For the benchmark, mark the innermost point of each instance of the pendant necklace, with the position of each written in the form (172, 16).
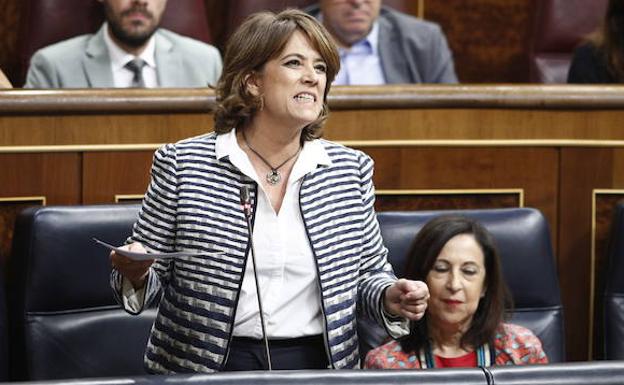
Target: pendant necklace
(273, 177)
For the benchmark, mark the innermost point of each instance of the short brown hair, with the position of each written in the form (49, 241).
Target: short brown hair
(259, 39)
(490, 312)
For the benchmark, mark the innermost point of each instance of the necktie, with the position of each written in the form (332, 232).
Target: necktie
(136, 66)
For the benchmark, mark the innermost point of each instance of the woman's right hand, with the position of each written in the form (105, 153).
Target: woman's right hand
(135, 271)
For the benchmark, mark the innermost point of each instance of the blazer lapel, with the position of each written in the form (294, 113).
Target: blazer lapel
(168, 63)
(97, 62)
(391, 53)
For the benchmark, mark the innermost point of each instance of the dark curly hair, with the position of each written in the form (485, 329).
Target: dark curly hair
(260, 38)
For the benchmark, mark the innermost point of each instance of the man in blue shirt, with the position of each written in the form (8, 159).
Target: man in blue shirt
(379, 45)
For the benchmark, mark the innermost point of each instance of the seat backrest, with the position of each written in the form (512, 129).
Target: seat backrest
(64, 321)
(614, 290)
(237, 11)
(559, 26)
(45, 22)
(523, 239)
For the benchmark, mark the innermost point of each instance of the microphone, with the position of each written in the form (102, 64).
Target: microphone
(245, 198)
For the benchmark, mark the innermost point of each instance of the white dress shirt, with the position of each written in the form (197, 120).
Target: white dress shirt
(286, 267)
(360, 64)
(122, 76)
(287, 271)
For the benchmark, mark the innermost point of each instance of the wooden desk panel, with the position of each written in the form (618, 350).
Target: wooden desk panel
(33, 180)
(474, 124)
(55, 130)
(112, 173)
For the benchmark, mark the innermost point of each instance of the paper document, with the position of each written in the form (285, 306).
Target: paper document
(145, 256)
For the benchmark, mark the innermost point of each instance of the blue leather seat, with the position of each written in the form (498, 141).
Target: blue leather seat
(64, 320)
(614, 290)
(523, 239)
(65, 323)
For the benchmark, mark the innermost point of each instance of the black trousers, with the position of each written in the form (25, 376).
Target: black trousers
(296, 353)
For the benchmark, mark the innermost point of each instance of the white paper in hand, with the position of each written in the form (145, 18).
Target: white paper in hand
(146, 256)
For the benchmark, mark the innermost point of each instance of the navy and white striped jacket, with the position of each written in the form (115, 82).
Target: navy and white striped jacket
(192, 203)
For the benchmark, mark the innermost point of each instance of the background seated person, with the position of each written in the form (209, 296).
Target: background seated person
(379, 45)
(129, 50)
(601, 58)
(463, 326)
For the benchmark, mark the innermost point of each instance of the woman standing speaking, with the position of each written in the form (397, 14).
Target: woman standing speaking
(319, 253)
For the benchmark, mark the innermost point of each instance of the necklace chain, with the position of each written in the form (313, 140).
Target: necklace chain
(273, 177)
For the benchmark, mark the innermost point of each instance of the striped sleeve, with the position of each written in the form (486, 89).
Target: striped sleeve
(155, 228)
(375, 271)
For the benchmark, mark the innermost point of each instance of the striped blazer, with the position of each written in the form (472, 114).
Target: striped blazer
(192, 203)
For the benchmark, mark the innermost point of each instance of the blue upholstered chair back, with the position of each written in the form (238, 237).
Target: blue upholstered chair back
(614, 290)
(64, 320)
(523, 239)
(65, 323)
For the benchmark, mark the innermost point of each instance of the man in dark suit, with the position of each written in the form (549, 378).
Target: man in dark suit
(129, 50)
(379, 45)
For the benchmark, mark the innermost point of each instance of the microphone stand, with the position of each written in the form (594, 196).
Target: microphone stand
(246, 203)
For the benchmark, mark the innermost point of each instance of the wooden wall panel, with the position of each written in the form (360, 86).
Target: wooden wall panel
(535, 170)
(582, 171)
(474, 123)
(26, 177)
(107, 174)
(101, 129)
(53, 175)
(489, 38)
(416, 200)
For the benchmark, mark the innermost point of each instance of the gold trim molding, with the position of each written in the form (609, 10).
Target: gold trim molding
(120, 198)
(41, 199)
(349, 143)
(518, 191)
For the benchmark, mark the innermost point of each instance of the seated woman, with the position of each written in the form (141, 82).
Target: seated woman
(463, 326)
(600, 59)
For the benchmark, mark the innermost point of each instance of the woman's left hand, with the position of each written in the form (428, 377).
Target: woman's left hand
(406, 298)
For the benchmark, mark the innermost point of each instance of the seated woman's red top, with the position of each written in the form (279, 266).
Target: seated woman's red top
(513, 345)
(466, 361)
